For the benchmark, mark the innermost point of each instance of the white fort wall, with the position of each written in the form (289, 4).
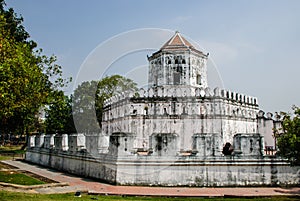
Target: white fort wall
(125, 166)
(183, 111)
(210, 172)
(156, 138)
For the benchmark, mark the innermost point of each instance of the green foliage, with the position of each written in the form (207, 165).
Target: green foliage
(22, 84)
(289, 141)
(28, 79)
(84, 107)
(13, 25)
(110, 86)
(59, 118)
(90, 96)
(11, 149)
(11, 152)
(18, 178)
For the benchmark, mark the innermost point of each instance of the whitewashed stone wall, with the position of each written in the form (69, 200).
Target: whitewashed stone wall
(182, 110)
(188, 66)
(205, 165)
(268, 125)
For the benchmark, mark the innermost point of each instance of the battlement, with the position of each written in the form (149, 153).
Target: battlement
(182, 92)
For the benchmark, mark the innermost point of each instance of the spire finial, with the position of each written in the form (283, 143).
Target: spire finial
(176, 32)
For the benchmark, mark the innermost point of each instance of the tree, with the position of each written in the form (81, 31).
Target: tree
(28, 79)
(84, 107)
(89, 98)
(288, 142)
(110, 86)
(59, 118)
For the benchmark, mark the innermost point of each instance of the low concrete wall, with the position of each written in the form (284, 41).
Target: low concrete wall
(170, 171)
(193, 171)
(79, 163)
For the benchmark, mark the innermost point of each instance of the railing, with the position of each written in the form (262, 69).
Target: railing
(270, 151)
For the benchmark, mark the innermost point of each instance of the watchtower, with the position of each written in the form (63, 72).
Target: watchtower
(178, 62)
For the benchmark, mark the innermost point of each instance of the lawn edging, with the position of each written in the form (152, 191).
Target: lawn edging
(23, 187)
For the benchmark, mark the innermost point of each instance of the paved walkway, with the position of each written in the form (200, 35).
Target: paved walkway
(77, 183)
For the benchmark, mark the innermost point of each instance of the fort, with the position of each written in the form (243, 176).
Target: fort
(178, 132)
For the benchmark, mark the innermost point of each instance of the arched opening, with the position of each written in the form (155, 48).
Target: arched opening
(146, 110)
(184, 110)
(199, 79)
(251, 145)
(227, 149)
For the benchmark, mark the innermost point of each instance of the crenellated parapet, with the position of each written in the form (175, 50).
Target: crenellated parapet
(269, 125)
(234, 96)
(183, 92)
(58, 142)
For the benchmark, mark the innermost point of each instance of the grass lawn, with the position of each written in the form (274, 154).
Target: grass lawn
(3, 158)
(10, 196)
(10, 152)
(11, 149)
(18, 178)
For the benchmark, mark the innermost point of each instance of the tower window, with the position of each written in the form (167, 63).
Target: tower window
(176, 61)
(184, 110)
(169, 61)
(176, 77)
(173, 107)
(183, 61)
(146, 111)
(199, 79)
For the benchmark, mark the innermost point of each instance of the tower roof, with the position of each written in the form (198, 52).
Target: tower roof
(177, 42)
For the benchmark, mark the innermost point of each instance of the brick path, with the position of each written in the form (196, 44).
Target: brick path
(77, 183)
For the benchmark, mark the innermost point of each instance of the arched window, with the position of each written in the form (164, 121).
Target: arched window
(169, 61)
(176, 61)
(146, 110)
(165, 111)
(199, 79)
(227, 149)
(183, 61)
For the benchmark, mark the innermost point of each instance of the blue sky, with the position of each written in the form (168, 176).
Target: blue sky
(254, 44)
